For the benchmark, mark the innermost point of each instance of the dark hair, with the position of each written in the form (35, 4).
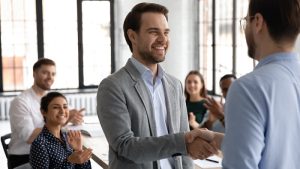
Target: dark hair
(281, 17)
(45, 101)
(43, 61)
(227, 76)
(203, 91)
(133, 18)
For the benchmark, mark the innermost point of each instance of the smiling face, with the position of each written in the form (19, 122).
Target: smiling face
(151, 42)
(193, 85)
(57, 113)
(44, 76)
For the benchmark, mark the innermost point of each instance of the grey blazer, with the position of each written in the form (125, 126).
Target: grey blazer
(125, 109)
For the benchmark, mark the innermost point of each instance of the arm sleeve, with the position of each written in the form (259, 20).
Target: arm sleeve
(20, 119)
(39, 157)
(244, 136)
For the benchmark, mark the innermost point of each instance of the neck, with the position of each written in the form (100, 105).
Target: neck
(55, 130)
(194, 98)
(152, 66)
(38, 91)
(271, 47)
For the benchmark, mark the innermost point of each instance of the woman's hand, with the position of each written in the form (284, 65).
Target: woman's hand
(80, 157)
(192, 121)
(75, 140)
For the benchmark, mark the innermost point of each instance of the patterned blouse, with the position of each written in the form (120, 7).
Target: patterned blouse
(48, 152)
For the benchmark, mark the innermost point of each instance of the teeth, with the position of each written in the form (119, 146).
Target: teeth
(159, 47)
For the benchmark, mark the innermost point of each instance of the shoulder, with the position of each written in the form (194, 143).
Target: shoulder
(259, 81)
(116, 78)
(23, 97)
(21, 101)
(40, 141)
(115, 84)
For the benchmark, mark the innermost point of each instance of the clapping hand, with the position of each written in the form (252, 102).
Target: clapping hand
(215, 108)
(76, 116)
(192, 121)
(74, 139)
(79, 157)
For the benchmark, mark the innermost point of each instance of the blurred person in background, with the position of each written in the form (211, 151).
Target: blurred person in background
(54, 148)
(26, 120)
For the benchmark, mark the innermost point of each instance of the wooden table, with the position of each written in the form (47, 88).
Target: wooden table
(100, 150)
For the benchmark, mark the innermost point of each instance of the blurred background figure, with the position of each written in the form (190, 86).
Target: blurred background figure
(195, 93)
(215, 119)
(26, 120)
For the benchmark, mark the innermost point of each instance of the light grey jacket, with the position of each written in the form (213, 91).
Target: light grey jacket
(126, 115)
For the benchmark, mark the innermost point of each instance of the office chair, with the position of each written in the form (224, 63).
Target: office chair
(5, 141)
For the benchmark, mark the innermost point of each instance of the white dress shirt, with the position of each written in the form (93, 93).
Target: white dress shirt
(25, 116)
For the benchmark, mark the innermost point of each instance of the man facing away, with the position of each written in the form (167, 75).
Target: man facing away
(141, 108)
(26, 120)
(263, 107)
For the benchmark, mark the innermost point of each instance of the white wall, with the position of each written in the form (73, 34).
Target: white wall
(180, 56)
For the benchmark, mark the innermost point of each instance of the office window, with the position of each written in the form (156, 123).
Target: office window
(61, 40)
(96, 41)
(18, 43)
(244, 64)
(224, 41)
(222, 45)
(205, 41)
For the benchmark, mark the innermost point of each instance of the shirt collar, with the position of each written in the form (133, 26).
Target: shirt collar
(145, 71)
(282, 56)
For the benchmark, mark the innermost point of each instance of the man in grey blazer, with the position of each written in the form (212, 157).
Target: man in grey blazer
(141, 108)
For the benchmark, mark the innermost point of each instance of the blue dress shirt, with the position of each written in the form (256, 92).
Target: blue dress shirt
(156, 90)
(262, 116)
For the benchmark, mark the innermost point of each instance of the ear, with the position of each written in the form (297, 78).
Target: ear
(259, 22)
(132, 36)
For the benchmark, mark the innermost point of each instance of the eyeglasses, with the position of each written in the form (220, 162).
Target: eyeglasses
(244, 21)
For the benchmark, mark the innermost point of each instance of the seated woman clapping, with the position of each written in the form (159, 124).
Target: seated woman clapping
(54, 148)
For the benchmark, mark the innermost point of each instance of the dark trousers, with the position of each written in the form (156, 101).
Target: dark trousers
(16, 160)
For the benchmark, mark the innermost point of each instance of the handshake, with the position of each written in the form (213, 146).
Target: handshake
(202, 143)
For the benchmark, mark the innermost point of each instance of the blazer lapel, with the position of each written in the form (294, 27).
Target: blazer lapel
(170, 104)
(144, 95)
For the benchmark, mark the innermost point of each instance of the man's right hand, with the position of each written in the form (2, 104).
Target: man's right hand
(199, 148)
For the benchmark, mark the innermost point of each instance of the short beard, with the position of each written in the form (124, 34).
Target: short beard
(150, 58)
(251, 52)
(43, 86)
(251, 46)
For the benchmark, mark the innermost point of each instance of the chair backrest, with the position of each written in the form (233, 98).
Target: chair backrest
(5, 141)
